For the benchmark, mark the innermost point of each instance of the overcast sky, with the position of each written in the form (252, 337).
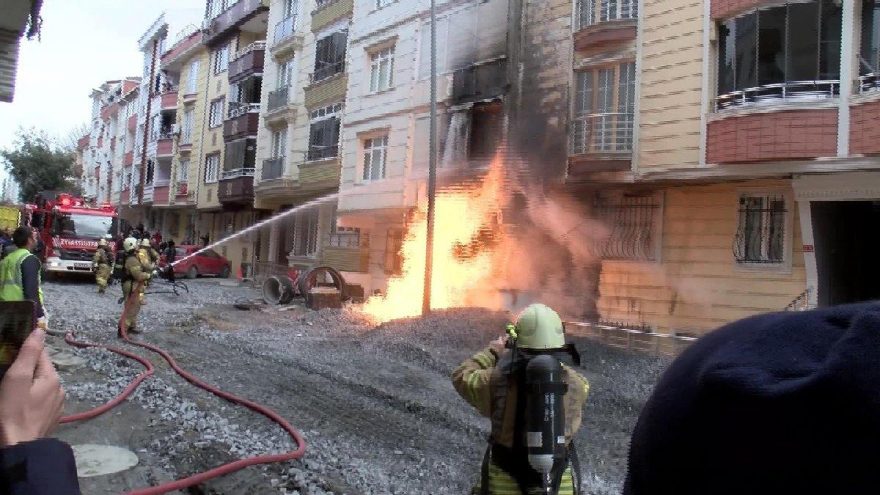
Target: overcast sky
(83, 43)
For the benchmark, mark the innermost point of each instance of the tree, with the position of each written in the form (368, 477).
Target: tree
(38, 164)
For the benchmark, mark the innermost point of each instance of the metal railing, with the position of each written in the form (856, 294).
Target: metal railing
(602, 133)
(327, 72)
(161, 182)
(167, 134)
(589, 12)
(256, 45)
(285, 29)
(273, 168)
(773, 94)
(801, 302)
(760, 234)
(869, 82)
(631, 222)
(278, 98)
(237, 109)
(238, 172)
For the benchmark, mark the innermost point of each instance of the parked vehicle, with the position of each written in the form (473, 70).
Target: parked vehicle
(205, 263)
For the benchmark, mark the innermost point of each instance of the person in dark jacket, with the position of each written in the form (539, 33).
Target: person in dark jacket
(31, 403)
(774, 404)
(170, 258)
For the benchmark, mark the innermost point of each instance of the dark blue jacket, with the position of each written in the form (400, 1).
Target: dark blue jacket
(41, 467)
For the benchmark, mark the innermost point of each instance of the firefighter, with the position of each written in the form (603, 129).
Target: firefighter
(148, 255)
(493, 381)
(134, 274)
(102, 264)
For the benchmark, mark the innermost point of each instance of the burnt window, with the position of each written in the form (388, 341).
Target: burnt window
(330, 55)
(487, 128)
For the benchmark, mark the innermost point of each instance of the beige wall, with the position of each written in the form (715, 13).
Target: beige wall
(671, 82)
(697, 285)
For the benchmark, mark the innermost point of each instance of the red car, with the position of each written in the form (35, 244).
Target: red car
(205, 263)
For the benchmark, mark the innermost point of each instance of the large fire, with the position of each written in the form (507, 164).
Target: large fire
(467, 240)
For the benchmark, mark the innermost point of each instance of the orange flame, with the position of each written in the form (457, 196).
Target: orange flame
(467, 240)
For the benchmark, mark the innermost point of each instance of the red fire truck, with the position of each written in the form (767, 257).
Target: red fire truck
(69, 230)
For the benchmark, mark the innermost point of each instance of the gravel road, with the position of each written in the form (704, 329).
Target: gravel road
(375, 405)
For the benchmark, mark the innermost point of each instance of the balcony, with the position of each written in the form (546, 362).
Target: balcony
(243, 121)
(168, 99)
(325, 91)
(128, 159)
(181, 189)
(480, 82)
(133, 122)
(233, 18)
(329, 11)
(869, 83)
(165, 144)
(273, 168)
(148, 193)
(248, 62)
(161, 191)
(123, 196)
(326, 72)
(601, 143)
(236, 189)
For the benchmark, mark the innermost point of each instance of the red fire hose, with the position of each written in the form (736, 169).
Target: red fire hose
(207, 475)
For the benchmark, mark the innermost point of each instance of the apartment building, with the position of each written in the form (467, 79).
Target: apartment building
(385, 123)
(184, 65)
(729, 146)
(102, 153)
(234, 34)
(298, 147)
(20, 18)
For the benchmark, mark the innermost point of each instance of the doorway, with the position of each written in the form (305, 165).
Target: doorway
(846, 237)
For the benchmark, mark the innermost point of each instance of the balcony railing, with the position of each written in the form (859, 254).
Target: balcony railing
(773, 94)
(602, 133)
(167, 134)
(285, 29)
(278, 98)
(182, 188)
(161, 182)
(869, 82)
(238, 109)
(239, 172)
(255, 46)
(273, 168)
(327, 71)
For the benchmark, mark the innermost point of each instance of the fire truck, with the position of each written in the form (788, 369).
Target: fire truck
(69, 230)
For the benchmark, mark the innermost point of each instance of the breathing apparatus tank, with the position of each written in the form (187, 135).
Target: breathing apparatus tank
(545, 416)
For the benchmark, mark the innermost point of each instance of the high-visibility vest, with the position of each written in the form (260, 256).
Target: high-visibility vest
(11, 288)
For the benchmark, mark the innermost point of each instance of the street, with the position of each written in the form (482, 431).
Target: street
(375, 405)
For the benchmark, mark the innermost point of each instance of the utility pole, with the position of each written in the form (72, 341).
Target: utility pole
(432, 166)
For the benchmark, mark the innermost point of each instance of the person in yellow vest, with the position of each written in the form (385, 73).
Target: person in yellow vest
(494, 382)
(102, 263)
(135, 273)
(20, 274)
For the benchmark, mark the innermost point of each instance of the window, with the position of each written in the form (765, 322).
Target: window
(375, 153)
(381, 69)
(344, 237)
(603, 111)
(632, 223)
(151, 169)
(279, 140)
(192, 82)
(324, 132)
(182, 170)
(590, 12)
(305, 242)
(869, 60)
(212, 168)
(186, 126)
(285, 73)
(330, 55)
(783, 52)
(215, 115)
(760, 235)
(221, 59)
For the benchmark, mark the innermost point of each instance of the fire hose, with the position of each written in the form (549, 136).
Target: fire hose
(149, 371)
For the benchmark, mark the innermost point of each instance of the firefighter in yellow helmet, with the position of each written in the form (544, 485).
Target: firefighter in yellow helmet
(501, 382)
(149, 259)
(134, 274)
(102, 264)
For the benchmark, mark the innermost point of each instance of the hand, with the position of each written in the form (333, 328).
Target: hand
(43, 323)
(31, 398)
(497, 346)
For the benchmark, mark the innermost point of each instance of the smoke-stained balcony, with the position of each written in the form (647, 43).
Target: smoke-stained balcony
(236, 187)
(243, 121)
(248, 62)
(233, 18)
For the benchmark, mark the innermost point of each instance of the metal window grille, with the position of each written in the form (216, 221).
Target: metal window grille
(591, 12)
(604, 110)
(760, 235)
(306, 234)
(631, 221)
(345, 237)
